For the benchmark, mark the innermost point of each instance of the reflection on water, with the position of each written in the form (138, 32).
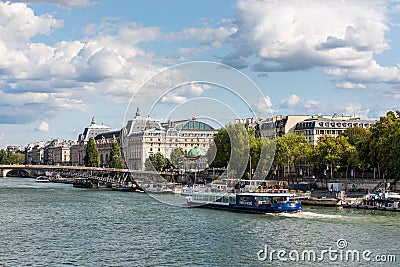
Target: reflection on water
(45, 224)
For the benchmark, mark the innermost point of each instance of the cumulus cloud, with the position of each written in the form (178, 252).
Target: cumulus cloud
(173, 99)
(207, 38)
(186, 92)
(297, 104)
(66, 3)
(295, 35)
(61, 76)
(290, 101)
(357, 110)
(43, 127)
(312, 33)
(349, 85)
(264, 105)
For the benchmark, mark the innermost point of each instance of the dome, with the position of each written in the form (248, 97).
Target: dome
(195, 152)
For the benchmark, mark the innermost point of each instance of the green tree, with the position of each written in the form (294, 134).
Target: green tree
(176, 158)
(92, 154)
(384, 145)
(116, 160)
(211, 154)
(263, 155)
(3, 156)
(15, 158)
(330, 151)
(240, 149)
(291, 150)
(222, 149)
(231, 149)
(156, 162)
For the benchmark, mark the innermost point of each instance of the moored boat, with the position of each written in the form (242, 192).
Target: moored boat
(42, 179)
(124, 187)
(251, 202)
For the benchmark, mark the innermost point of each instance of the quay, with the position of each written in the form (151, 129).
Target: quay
(380, 200)
(369, 207)
(90, 176)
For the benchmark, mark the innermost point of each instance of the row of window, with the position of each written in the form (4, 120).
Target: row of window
(345, 124)
(312, 132)
(196, 134)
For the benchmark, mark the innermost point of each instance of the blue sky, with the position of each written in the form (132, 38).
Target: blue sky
(62, 62)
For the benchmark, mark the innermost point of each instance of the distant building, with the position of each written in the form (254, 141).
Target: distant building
(315, 128)
(280, 125)
(59, 152)
(92, 131)
(16, 149)
(77, 151)
(143, 137)
(35, 153)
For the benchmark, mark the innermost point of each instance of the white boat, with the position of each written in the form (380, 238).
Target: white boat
(42, 179)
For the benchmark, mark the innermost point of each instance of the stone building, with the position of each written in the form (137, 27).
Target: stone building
(315, 128)
(77, 151)
(143, 137)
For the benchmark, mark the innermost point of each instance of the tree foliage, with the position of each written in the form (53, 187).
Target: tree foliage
(176, 158)
(116, 160)
(92, 154)
(383, 145)
(237, 148)
(356, 148)
(11, 157)
(291, 149)
(222, 148)
(156, 162)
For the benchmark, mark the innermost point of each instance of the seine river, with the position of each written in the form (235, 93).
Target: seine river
(46, 224)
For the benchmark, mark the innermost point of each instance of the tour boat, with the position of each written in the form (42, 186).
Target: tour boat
(251, 202)
(42, 179)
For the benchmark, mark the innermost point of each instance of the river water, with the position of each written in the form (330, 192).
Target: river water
(47, 224)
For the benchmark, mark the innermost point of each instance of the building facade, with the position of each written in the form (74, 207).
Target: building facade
(299, 124)
(77, 151)
(143, 137)
(317, 127)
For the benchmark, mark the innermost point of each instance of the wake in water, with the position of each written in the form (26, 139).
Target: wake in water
(310, 215)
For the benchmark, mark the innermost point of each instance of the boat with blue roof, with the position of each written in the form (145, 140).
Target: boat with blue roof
(273, 201)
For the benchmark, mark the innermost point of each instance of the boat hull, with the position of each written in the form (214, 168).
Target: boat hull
(262, 209)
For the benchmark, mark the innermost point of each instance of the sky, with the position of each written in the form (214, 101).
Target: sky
(64, 62)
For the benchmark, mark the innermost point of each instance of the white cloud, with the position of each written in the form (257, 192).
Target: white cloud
(173, 99)
(43, 127)
(372, 73)
(304, 34)
(298, 105)
(61, 76)
(357, 110)
(67, 3)
(19, 23)
(207, 38)
(349, 85)
(294, 35)
(311, 104)
(290, 101)
(2, 136)
(264, 105)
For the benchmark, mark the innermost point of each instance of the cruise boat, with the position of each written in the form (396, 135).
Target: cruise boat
(42, 179)
(251, 202)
